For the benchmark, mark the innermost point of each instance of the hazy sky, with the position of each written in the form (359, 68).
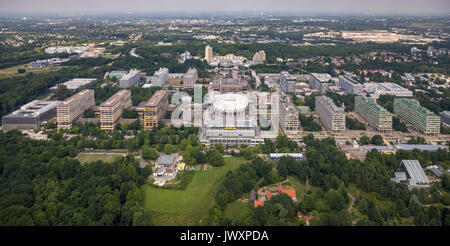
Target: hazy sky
(425, 7)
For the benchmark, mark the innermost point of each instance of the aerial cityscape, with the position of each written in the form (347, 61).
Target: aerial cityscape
(261, 115)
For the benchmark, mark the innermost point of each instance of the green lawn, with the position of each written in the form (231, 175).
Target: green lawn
(91, 157)
(300, 188)
(188, 206)
(237, 210)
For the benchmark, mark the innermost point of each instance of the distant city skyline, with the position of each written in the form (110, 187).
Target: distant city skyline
(362, 7)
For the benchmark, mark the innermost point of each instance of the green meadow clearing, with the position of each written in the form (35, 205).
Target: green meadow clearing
(188, 206)
(91, 157)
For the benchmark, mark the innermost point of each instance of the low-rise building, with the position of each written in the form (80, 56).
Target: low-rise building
(277, 156)
(75, 83)
(30, 115)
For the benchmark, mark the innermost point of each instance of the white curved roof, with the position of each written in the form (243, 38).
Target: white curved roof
(230, 102)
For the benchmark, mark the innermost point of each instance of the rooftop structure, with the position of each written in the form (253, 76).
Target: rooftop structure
(277, 156)
(320, 82)
(166, 160)
(30, 115)
(331, 116)
(75, 84)
(421, 118)
(231, 118)
(438, 171)
(130, 79)
(386, 88)
(423, 147)
(117, 74)
(350, 85)
(375, 115)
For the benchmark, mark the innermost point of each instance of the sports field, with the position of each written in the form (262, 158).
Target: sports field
(188, 206)
(94, 156)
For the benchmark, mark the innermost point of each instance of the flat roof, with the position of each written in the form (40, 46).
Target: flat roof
(114, 98)
(166, 160)
(428, 147)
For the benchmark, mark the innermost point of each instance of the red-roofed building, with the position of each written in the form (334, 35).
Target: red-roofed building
(259, 203)
(269, 195)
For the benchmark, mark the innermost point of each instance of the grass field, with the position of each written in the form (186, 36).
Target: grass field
(188, 206)
(237, 210)
(12, 71)
(91, 157)
(300, 188)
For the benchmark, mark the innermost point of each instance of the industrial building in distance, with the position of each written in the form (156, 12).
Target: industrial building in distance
(350, 85)
(320, 82)
(73, 108)
(30, 115)
(419, 117)
(332, 116)
(375, 115)
(111, 110)
(377, 89)
(154, 110)
(75, 84)
(130, 79)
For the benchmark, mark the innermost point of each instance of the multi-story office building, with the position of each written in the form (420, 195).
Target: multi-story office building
(160, 77)
(30, 115)
(287, 82)
(111, 110)
(73, 108)
(320, 82)
(332, 117)
(208, 53)
(350, 85)
(289, 119)
(375, 115)
(421, 118)
(130, 79)
(190, 78)
(155, 109)
(445, 117)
